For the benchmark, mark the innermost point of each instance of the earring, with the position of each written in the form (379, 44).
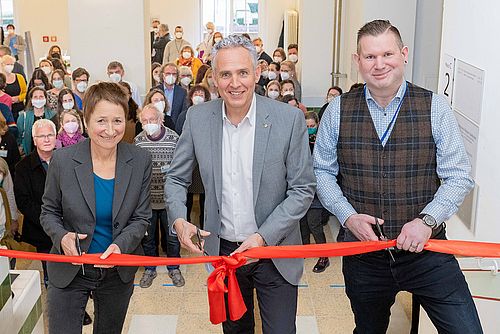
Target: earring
(406, 61)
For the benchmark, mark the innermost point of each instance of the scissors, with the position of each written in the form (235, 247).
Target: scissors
(198, 243)
(79, 249)
(383, 237)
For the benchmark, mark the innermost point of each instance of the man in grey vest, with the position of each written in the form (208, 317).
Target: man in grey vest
(389, 155)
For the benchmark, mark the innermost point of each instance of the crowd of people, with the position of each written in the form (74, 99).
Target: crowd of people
(124, 174)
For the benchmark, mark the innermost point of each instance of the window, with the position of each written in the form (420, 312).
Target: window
(232, 16)
(7, 12)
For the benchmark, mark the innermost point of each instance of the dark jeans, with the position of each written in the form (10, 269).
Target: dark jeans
(149, 244)
(312, 223)
(372, 281)
(277, 298)
(66, 307)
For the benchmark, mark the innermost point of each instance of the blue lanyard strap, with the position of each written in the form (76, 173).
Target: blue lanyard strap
(395, 114)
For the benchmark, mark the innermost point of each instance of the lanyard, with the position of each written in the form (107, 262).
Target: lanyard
(395, 114)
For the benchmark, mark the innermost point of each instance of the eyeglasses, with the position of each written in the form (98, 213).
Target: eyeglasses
(49, 136)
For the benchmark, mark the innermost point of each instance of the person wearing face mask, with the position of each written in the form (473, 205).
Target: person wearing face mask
(15, 42)
(18, 68)
(46, 66)
(264, 75)
(187, 59)
(259, 47)
(159, 43)
(15, 85)
(196, 95)
(273, 90)
(66, 101)
(332, 93)
(185, 77)
(293, 56)
(279, 55)
(39, 79)
(287, 72)
(173, 48)
(57, 80)
(54, 53)
(116, 73)
(157, 97)
(155, 74)
(273, 71)
(288, 89)
(161, 142)
(71, 131)
(205, 46)
(80, 81)
(175, 95)
(36, 109)
(153, 34)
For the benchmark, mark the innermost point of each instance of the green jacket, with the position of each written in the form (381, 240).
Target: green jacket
(25, 124)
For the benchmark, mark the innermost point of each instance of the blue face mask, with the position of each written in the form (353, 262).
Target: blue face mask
(312, 131)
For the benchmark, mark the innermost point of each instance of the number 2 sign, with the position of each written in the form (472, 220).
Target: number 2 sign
(447, 77)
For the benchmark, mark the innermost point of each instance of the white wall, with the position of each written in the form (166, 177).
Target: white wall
(271, 13)
(34, 16)
(358, 12)
(467, 35)
(101, 31)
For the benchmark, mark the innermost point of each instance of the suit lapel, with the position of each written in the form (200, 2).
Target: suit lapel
(122, 177)
(85, 176)
(262, 129)
(216, 148)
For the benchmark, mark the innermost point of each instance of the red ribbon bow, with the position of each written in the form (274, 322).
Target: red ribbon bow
(226, 266)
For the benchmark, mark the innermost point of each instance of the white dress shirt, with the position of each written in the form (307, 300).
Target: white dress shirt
(237, 210)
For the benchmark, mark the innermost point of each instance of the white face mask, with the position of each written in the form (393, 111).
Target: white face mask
(10, 31)
(277, 59)
(210, 82)
(265, 74)
(71, 127)
(151, 129)
(214, 96)
(156, 77)
(58, 84)
(178, 35)
(170, 79)
(293, 57)
(288, 92)
(284, 75)
(115, 77)
(68, 105)
(258, 49)
(273, 94)
(81, 86)
(46, 70)
(186, 55)
(186, 81)
(272, 75)
(198, 99)
(160, 105)
(217, 39)
(38, 103)
(156, 30)
(209, 30)
(8, 68)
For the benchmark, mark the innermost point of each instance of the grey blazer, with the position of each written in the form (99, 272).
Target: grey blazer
(283, 179)
(69, 203)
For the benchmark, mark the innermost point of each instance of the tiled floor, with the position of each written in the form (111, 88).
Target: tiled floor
(323, 306)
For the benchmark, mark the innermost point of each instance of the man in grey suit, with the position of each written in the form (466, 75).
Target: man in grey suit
(256, 168)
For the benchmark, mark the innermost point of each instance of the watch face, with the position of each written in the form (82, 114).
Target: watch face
(429, 221)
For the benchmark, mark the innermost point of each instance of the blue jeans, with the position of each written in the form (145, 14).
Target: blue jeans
(372, 281)
(149, 244)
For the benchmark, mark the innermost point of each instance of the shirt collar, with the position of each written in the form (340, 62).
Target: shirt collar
(250, 116)
(399, 94)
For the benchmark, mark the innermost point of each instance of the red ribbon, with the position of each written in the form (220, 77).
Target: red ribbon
(226, 266)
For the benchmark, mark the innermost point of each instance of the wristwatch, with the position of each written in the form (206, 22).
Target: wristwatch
(428, 220)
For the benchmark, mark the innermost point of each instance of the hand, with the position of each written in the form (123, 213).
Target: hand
(414, 235)
(15, 99)
(112, 249)
(361, 226)
(15, 46)
(14, 227)
(185, 231)
(68, 244)
(255, 240)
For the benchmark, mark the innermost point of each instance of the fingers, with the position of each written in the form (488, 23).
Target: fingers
(82, 236)
(185, 231)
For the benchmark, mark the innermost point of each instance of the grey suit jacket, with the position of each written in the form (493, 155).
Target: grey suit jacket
(69, 203)
(283, 179)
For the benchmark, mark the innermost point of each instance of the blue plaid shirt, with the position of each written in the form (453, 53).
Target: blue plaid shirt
(453, 167)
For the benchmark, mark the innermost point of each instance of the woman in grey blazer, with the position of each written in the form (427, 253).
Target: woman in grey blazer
(96, 191)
